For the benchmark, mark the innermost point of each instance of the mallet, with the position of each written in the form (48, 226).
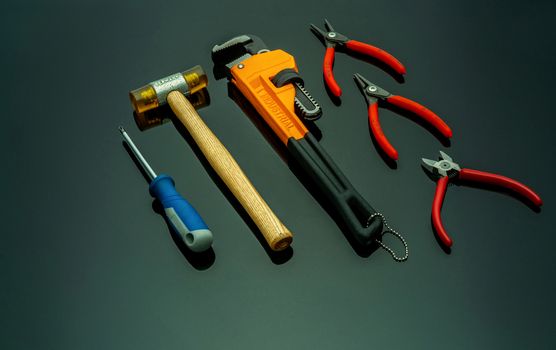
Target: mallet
(172, 90)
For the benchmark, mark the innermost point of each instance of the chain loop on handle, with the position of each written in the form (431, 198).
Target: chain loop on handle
(395, 234)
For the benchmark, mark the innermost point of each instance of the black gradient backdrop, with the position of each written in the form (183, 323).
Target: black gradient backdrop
(86, 263)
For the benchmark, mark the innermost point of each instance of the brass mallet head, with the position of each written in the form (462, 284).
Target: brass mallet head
(158, 116)
(147, 98)
(154, 93)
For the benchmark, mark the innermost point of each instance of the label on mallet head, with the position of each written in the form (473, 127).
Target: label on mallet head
(174, 82)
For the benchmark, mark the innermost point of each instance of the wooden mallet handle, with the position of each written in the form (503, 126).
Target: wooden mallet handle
(275, 233)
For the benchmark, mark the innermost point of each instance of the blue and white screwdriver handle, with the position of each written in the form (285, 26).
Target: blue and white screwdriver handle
(182, 216)
(184, 219)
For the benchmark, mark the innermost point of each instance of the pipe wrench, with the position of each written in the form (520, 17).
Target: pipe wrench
(270, 81)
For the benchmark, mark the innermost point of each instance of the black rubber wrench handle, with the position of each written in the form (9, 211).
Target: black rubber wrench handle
(354, 210)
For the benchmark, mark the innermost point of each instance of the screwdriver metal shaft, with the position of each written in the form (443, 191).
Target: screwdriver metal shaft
(137, 154)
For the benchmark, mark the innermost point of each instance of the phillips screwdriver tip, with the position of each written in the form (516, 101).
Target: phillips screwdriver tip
(121, 128)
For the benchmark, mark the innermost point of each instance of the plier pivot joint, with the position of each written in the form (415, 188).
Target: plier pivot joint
(373, 94)
(333, 39)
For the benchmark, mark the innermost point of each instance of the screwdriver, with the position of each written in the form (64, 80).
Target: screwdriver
(184, 219)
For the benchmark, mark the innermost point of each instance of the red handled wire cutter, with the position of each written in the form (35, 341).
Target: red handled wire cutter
(373, 94)
(445, 170)
(333, 39)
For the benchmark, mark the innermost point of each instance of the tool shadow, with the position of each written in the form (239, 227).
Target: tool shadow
(279, 148)
(200, 261)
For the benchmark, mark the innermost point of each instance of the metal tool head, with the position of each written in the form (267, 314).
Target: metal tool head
(444, 166)
(321, 34)
(329, 37)
(237, 49)
(361, 82)
(328, 26)
(369, 90)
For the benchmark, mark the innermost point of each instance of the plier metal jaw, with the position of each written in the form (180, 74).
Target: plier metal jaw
(374, 94)
(446, 170)
(329, 37)
(333, 39)
(445, 166)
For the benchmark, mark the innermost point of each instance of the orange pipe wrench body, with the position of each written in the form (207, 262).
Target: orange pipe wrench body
(253, 77)
(270, 81)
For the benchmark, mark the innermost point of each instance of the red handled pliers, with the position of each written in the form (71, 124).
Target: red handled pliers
(445, 169)
(333, 39)
(373, 94)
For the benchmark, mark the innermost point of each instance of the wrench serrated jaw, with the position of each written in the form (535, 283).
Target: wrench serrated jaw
(230, 50)
(305, 105)
(237, 47)
(240, 40)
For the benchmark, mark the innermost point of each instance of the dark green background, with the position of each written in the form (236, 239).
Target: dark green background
(85, 262)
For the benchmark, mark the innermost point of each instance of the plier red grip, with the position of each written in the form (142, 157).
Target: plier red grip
(445, 170)
(373, 94)
(333, 39)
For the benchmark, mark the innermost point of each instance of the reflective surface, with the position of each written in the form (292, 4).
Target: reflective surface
(87, 263)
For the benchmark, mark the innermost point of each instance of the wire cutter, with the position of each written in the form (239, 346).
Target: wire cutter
(373, 94)
(445, 170)
(333, 39)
